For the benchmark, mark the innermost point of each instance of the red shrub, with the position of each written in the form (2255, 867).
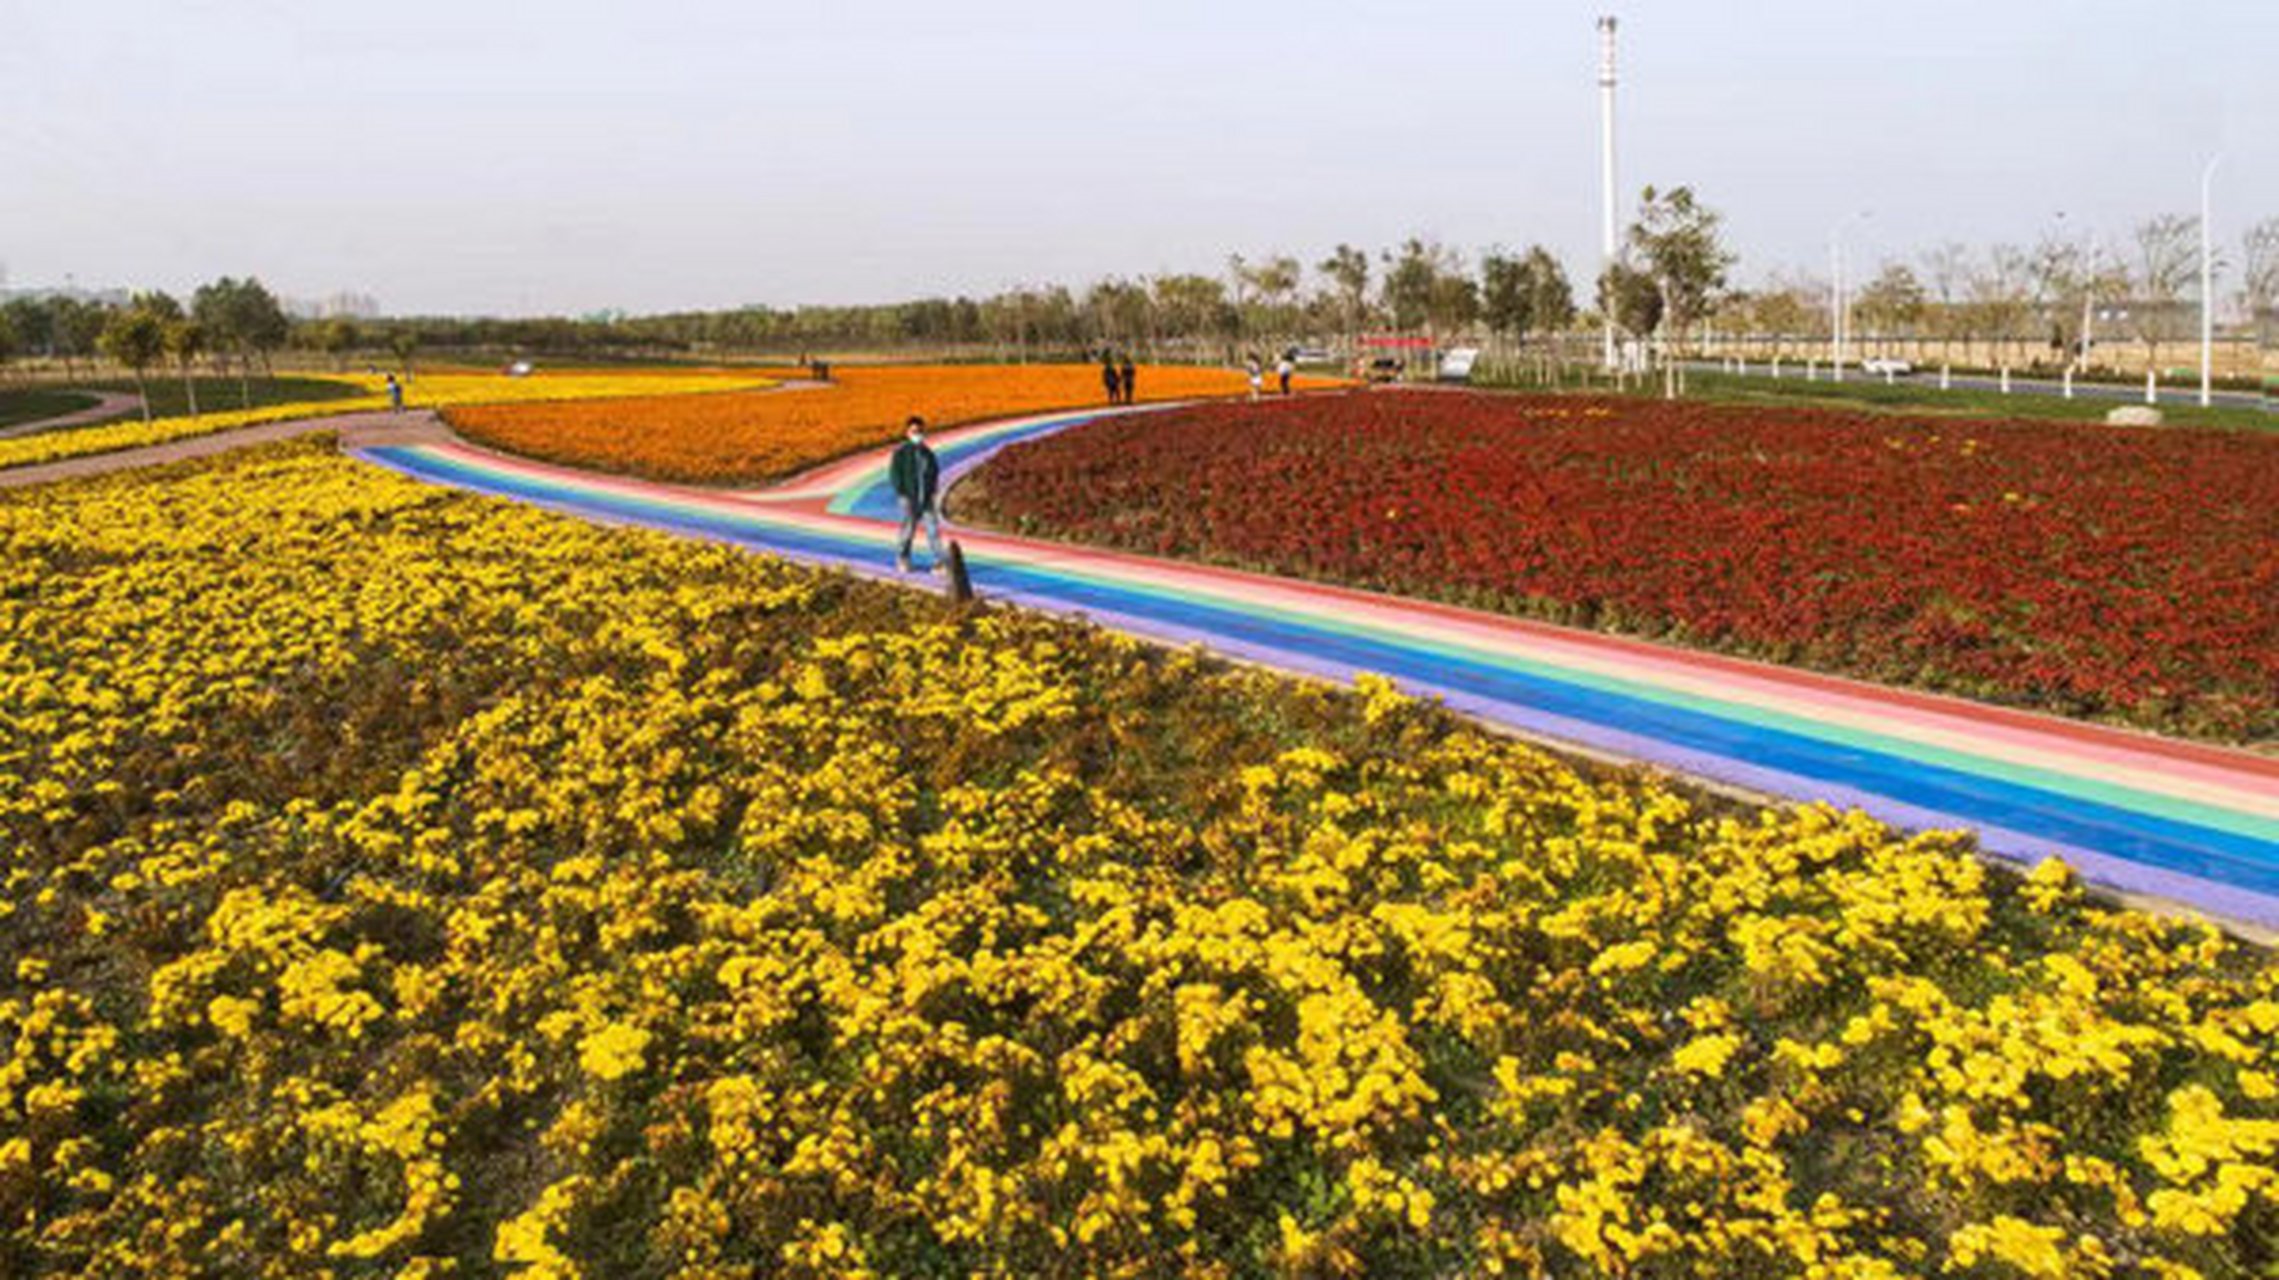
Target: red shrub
(2083, 569)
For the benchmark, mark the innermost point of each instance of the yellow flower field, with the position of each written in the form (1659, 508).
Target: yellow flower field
(445, 388)
(134, 433)
(424, 391)
(399, 883)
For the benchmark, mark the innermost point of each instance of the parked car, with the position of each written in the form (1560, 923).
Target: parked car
(1881, 366)
(1380, 369)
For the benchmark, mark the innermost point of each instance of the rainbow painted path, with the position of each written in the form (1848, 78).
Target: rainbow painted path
(2194, 824)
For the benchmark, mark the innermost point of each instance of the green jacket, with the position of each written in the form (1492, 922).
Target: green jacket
(915, 471)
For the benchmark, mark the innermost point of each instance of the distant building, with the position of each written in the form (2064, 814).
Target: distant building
(338, 306)
(351, 306)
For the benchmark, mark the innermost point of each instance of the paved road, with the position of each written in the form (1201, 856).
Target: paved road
(1929, 380)
(2172, 821)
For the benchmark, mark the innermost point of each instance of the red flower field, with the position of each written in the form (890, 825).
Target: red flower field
(2106, 572)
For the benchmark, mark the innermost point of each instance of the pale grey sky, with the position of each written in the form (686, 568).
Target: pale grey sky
(509, 158)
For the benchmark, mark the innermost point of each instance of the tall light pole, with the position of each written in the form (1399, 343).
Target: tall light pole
(1606, 175)
(1839, 308)
(1836, 304)
(2207, 288)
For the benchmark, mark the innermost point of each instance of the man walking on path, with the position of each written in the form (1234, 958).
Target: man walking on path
(1283, 368)
(1109, 377)
(395, 394)
(1129, 373)
(916, 474)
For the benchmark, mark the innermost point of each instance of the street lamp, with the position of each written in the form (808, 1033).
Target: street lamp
(2207, 287)
(1839, 312)
(1608, 245)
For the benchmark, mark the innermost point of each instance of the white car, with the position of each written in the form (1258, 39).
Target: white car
(1886, 366)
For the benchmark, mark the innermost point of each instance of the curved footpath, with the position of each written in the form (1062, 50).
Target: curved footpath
(108, 404)
(2177, 822)
(355, 429)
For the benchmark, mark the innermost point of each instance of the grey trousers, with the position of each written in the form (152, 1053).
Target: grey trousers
(911, 512)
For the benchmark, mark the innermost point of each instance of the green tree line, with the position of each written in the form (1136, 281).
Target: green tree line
(1669, 286)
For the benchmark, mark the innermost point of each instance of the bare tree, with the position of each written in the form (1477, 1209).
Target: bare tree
(2001, 294)
(2056, 275)
(2259, 283)
(2069, 281)
(2166, 261)
(1947, 270)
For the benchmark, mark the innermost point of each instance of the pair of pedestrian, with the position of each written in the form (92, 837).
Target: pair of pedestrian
(1121, 380)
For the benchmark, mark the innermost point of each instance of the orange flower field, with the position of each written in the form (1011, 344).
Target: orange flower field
(762, 435)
